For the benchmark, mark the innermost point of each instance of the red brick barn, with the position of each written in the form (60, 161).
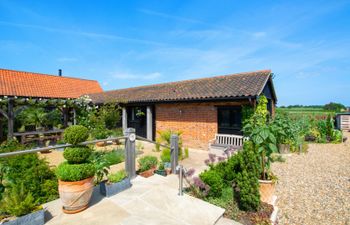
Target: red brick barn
(199, 108)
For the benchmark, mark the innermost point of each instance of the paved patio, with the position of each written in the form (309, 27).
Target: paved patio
(153, 200)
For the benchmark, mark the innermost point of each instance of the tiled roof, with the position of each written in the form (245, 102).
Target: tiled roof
(27, 84)
(243, 85)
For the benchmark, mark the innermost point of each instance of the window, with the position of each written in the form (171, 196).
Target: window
(229, 120)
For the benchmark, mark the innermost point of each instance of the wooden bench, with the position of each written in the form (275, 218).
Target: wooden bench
(223, 141)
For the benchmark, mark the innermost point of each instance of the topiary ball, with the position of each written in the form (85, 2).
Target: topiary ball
(75, 134)
(75, 172)
(76, 155)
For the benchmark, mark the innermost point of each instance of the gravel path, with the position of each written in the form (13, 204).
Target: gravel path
(314, 188)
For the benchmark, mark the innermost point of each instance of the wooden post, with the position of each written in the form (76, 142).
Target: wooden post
(124, 118)
(74, 117)
(130, 153)
(11, 117)
(65, 117)
(174, 148)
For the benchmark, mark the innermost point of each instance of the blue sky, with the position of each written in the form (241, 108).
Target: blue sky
(122, 44)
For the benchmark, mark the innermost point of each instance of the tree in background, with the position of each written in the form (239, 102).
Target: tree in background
(336, 107)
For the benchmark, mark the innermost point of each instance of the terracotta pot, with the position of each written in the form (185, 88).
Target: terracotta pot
(101, 144)
(266, 189)
(147, 173)
(75, 196)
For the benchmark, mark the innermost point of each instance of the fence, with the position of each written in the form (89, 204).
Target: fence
(130, 151)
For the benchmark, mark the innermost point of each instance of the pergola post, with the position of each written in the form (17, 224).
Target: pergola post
(124, 118)
(149, 123)
(74, 117)
(10, 118)
(65, 117)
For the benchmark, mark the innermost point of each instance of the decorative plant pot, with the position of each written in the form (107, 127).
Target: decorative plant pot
(34, 218)
(101, 144)
(161, 172)
(168, 171)
(75, 196)
(266, 189)
(284, 148)
(147, 173)
(110, 189)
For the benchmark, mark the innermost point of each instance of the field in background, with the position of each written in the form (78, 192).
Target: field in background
(306, 111)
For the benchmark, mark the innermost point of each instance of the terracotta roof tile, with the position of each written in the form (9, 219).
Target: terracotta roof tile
(27, 84)
(247, 84)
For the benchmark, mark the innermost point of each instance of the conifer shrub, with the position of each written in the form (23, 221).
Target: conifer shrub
(247, 178)
(214, 179)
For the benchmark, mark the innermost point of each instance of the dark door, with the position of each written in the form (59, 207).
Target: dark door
(230, 120)
(137, 120)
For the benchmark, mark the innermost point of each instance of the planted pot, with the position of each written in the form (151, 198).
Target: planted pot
(110, 189)
(266, 189)
(161, 172)
(147, 173)
(34, 218)
(101, 144)
(284, 148)
(75, 196)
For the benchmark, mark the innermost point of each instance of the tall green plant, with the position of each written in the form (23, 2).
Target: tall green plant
(260, 132)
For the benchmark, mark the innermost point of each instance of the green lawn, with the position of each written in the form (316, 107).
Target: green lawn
(306, 111)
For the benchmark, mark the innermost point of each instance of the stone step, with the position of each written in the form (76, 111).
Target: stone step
(156, 196)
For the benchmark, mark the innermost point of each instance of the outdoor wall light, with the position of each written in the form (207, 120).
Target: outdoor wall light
(180, 111)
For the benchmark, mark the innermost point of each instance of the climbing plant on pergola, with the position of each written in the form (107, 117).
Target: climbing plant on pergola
(12, 106)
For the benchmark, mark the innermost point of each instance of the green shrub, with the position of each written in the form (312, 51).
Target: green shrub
(337, 136)
(75, 134)
(101, 133)
(115, 157)
(247, 180)
(18, 201)
(75, 172)
(147, 162)
(187, 154)
(214, 180)
(28, 169)
(165, 155)
(77, 154)
(116, 177)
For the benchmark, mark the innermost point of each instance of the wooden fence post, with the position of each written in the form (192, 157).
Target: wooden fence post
(130, 153)
(174, 148)
(10, 118)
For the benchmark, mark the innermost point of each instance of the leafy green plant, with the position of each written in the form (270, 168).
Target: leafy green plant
(77, 154)
(161, 166)
(165, 155)
(147, 162)
(117, 177)
(75, 134)
(18, 201)
(75, 172)
(261, 134)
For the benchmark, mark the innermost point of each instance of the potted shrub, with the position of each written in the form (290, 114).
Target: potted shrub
(161, 169)
(116, 182)
(147, 165)
(76, 175)
(262, 135)
(100, 133)
(18, 207)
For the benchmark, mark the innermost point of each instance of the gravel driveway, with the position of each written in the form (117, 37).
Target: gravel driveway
(314, 188)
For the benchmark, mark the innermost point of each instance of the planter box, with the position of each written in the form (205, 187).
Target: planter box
(266, 189)
(161, 172)
(109, 190)
(284, 148)
(35, 218)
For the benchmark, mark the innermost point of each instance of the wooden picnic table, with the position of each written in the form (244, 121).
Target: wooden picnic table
(40, 136)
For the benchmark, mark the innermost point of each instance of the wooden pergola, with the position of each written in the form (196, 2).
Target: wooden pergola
(19, 90)
(11, 107)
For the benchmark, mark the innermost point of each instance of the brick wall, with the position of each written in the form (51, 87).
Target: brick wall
(197, 121)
